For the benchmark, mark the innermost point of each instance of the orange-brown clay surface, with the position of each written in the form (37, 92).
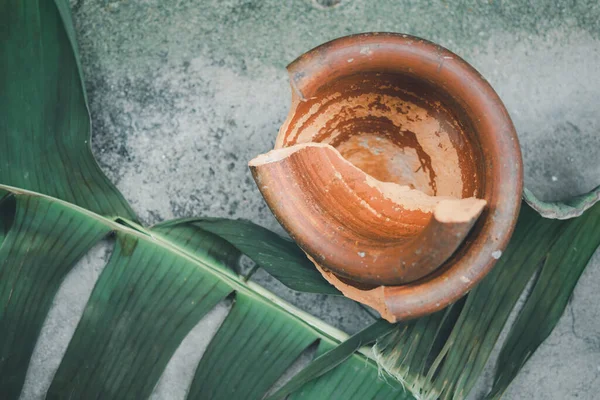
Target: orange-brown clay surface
(355, 225)
(397, 171)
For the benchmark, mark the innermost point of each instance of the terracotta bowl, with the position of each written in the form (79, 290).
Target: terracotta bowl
(398, 171)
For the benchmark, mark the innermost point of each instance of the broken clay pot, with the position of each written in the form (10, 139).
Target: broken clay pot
(398, 171)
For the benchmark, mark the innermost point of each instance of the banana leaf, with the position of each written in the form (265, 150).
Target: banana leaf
(153, 291)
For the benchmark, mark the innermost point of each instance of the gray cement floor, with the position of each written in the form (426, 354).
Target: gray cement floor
(183, 93)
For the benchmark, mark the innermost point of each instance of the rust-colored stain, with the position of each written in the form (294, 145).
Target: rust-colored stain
(398, 171)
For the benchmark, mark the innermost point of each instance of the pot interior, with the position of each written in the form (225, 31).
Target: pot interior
(395, 128)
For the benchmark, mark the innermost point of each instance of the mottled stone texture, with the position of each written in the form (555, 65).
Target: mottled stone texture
(183, 93)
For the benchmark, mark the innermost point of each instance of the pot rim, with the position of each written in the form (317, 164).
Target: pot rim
(501, 153)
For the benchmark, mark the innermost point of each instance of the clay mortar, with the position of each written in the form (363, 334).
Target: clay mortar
(398, 171)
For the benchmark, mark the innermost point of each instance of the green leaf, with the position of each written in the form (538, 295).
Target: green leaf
(279, 256)
(250, 351)
(334, 357)
(144, 303)
(450, 371)
(408, 351)
(44, 119)
(32, 266)
(351, 380)
(200, 242)
(151, 293)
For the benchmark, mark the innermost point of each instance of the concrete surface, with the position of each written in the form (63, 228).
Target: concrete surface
(183, 93)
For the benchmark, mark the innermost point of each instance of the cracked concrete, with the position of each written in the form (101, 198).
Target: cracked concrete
(183, 93)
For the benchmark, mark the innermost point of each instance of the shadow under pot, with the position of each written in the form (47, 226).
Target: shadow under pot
(398, 171)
